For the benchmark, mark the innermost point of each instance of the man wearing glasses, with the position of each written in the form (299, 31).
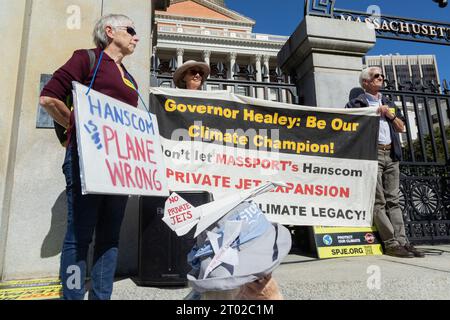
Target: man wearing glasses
(387, 213)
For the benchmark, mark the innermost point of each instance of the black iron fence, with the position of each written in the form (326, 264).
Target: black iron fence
(242, 79)
(274, 91)
(425, 169)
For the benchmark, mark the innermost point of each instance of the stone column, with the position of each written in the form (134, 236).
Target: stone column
(232, 57)
(258, 67)
(259, 91)
(153, 57)
(154, 73)
(206, 56)
(15, 16)
(180, 53)
(325, 55)
(266, 59)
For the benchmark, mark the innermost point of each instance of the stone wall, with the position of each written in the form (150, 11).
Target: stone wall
(41, 36)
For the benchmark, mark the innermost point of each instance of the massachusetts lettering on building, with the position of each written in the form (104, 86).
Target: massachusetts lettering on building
(387, 27)
(397, 26)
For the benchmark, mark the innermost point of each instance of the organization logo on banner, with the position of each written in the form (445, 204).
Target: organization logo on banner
(370, 238)
(327, 240)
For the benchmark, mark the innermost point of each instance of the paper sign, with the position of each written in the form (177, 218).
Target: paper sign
(179, 214)
(118, 146)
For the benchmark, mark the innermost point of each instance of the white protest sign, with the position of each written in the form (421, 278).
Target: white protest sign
(118, 146)
(179, 214)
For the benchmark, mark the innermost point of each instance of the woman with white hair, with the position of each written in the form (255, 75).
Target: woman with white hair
(101, 69)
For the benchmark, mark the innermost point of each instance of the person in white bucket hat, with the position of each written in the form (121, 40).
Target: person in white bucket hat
(191, 75)
(260, 246)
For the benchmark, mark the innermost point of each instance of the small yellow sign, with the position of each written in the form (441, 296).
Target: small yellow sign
(336, 242)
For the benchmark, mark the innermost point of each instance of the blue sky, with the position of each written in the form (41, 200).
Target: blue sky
(281, 17)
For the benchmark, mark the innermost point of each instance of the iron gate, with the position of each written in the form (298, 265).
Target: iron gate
(424, 171)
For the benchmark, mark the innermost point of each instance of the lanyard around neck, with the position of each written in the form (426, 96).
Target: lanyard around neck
(95, 72)
(126, 72)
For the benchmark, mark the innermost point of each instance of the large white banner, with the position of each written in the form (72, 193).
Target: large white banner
(225, 143)
(118, 146)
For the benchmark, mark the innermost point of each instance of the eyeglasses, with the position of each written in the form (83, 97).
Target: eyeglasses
(195, 71)
(377, 75)
(130, 30)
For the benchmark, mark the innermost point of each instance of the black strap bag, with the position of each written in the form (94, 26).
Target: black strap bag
(60, 131)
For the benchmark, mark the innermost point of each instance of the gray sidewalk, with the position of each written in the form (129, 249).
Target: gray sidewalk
(372, 277)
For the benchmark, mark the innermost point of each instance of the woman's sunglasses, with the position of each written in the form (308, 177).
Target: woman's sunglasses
(195, 71)
(130, 30)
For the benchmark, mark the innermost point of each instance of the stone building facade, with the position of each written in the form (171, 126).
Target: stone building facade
(208, 31)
